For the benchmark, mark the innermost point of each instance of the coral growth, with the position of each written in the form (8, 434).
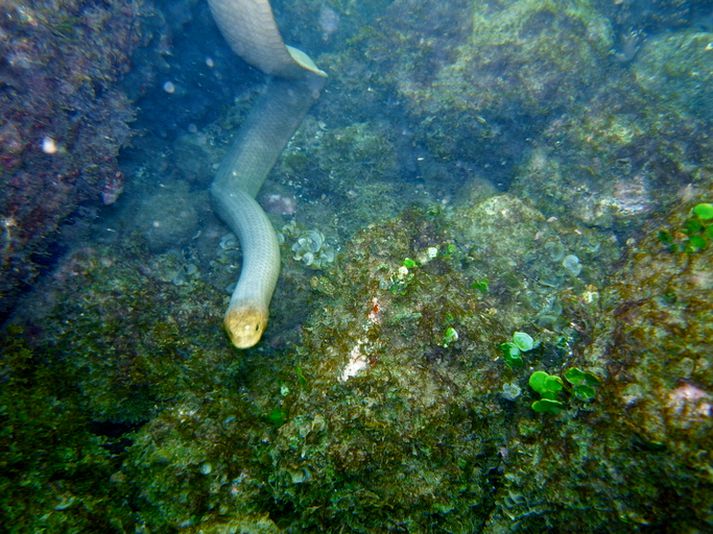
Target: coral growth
(63, 120)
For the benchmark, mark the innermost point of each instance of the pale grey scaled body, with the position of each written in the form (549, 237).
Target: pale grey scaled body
(250, 29)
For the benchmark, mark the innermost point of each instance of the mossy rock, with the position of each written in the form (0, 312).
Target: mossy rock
(656, 346)
(625, 156)
(676, 70)
(376, 388)
(128, 336)
(522, 62)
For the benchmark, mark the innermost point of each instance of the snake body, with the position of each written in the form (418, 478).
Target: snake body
(250, 29)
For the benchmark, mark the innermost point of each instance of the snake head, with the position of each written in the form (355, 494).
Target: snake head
(245, 325)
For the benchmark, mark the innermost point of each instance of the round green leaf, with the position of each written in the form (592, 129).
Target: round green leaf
(553, 384)
(547, 406)
(537, 381)
(590, 379)
(515, 360)
(692, 227)
(696, 243)
(450, 336)
(409, 263)
(584, 392)
(704, 211)
(574, 376)
(523, 341)
(512, 354)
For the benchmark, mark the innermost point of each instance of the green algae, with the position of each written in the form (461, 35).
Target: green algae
(512, 350)
(289, 440)
(54, 468)
(648, 358)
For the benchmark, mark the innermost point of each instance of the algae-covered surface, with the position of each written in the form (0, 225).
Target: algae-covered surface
(495, 306)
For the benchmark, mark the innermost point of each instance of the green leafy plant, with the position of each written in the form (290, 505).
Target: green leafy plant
(696, 233)
(523, 341)
(548, 386)
(512, 350)
(481, 285)
(704, 211)
(277, 417)
(552, 406)
(584, 383)
(409, 263)
(448, 250)
(450, 336)
(403, 277)
(583, 387)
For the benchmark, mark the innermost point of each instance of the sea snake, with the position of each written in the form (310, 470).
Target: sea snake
(251, 31)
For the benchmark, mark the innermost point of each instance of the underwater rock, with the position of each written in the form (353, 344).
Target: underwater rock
(559, 50)
(347, 151)
(352, 166)
(653, 16)
(508, 235)
(647, 438)
(608, 200)
(483, 224)
(521, 254)
(378, 378)
(106, 339)
(168, 218)
(371, 382)
(481, 98)
(628, 154)
(193, 158)
(378, 391)
(676, 70)
(656, 346)
(64, 120)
